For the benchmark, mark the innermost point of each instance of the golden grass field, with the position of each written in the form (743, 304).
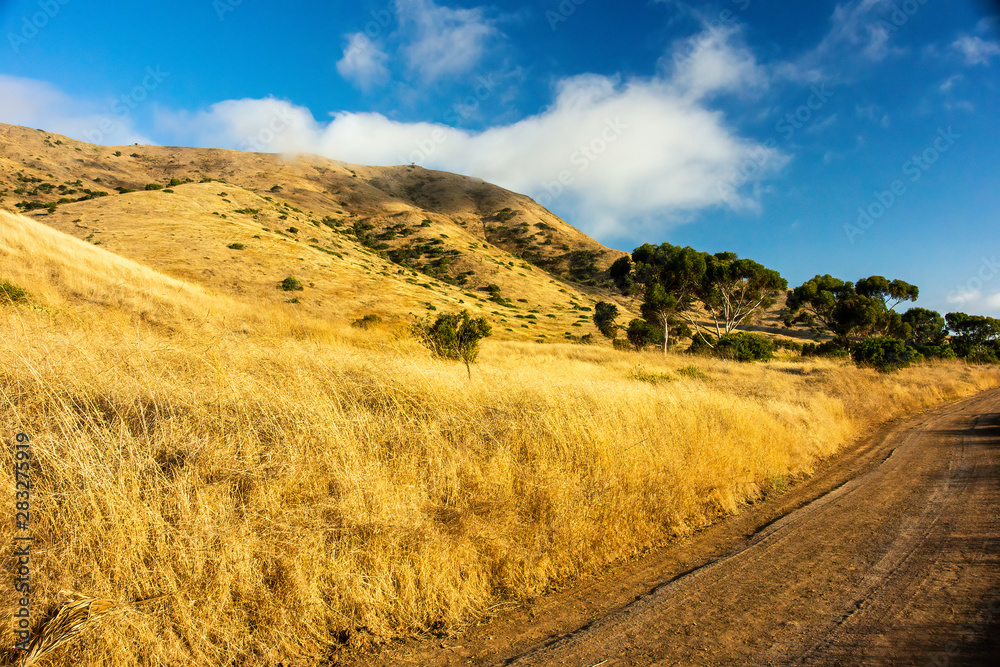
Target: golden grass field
(293, 487)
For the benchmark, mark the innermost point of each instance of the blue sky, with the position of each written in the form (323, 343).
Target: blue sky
(853, 138)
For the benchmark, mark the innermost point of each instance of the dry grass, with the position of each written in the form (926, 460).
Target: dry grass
(291, 487)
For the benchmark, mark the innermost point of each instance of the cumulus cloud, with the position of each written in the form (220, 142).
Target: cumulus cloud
(363, 63)
(441, 41)
(607, 154)
(715, 61)
(604, 152)
(977, 51)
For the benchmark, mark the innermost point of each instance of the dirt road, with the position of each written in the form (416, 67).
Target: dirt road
(890, 555)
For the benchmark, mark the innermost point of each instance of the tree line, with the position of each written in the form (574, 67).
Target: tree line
(688, 294)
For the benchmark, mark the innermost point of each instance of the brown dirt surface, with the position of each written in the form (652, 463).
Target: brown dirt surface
(888, 555)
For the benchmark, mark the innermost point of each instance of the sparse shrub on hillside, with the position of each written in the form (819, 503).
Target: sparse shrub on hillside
(236, 246)
(831, 348)
(744, 346)
(652, 377)
(11, 293)
(785, 344)
(290, 230)
(884, 354)
(291, 284)
(692, 372)
(153, 186)
(703, 344)
(938, 352)
(118, 153)
(175, 181)
(454, 336)
(168, 191)
(366, 322)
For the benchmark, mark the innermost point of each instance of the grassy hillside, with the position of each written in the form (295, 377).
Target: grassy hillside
(391, 241)
(293, 486)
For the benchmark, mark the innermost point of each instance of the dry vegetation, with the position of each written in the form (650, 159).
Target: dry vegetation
(293, 487)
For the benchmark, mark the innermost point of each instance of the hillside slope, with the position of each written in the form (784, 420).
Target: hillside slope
(392, 241)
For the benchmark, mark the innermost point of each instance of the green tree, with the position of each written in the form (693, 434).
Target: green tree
(641, 333)
(975, 337)
(850, 312)
(927, 328)
(621, 273)
(454, 336)
(730, 289)
(735, 289)
(662, 310)
(605, 315)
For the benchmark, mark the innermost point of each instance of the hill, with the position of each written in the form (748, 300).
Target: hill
(392, 241)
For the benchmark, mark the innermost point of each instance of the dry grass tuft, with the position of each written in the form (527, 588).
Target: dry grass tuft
(72, 619)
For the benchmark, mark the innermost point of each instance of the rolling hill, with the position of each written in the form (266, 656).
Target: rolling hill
(391, 241)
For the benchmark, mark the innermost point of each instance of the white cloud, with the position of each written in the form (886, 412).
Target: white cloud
(363, 62)
(34, 103)
(715, 61)
(976, 302)
(861, 27)
(965, 296)
(605, 153)
(440, 41)
(976, 50)
(947, 86)
(859, 30)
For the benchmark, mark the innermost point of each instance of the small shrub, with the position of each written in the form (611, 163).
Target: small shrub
(367, 322)
(745, 346)
(11, 293)
(830, 348)
(236, 246)
(118, 153)
(884, 354)
(291, 284)
(938, 352)
(652, 377)
(454, 336)
(175, 181)
(293, 230)
(692, 372)
(153, 186)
